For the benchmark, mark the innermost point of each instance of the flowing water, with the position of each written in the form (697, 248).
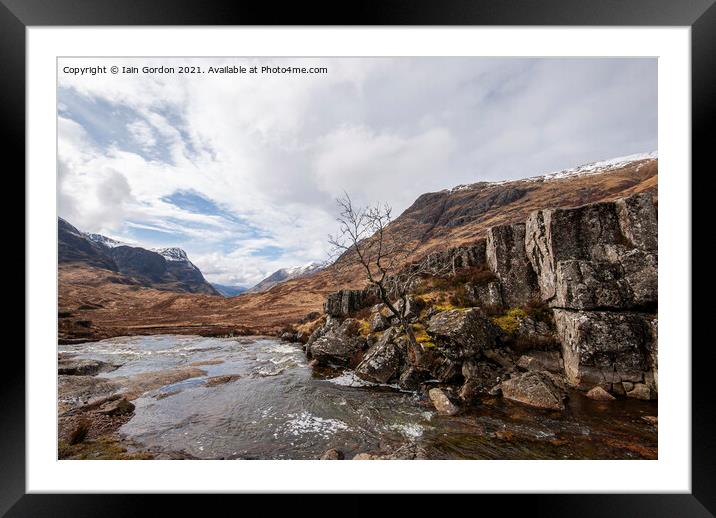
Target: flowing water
(279, 409)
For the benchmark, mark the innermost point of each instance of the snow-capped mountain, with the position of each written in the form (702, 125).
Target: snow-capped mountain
(165, 269)
(172, 254)
(285, 274)
(104, 240)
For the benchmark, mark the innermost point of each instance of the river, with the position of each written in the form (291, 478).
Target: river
(276, 407)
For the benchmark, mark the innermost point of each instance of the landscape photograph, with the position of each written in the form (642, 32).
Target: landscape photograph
(409, 258)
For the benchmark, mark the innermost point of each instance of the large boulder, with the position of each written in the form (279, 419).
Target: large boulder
(382, 361)
(605, 348)
(461, 334)
(442, 402)
(598, 256)
(534, 388)
(339, 345)
(331, 323)
(485, 294)
(507, 258)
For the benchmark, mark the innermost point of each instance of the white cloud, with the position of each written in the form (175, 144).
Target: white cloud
(142, 134)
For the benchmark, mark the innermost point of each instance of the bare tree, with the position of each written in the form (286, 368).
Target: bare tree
(383, 255)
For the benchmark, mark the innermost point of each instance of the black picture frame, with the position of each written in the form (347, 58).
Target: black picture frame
(699, 15)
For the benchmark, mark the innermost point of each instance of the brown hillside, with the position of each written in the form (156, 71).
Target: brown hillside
(96, 303)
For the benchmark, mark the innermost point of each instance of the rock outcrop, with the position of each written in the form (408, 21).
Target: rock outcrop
(598, 256)
(344, 302)
(340, 345)
(604, 348)
(569, 296)
(442, 402)
(382, 361)
(461, 333)
(507, 258)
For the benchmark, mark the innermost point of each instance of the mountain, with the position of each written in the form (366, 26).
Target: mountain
(283, 275)
(228, 291)
(165, 269)
(435, 221)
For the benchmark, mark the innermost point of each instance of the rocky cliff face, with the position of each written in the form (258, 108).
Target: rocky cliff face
(569, 297)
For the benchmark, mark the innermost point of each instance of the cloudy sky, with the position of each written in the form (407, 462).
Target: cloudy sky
(242, 170)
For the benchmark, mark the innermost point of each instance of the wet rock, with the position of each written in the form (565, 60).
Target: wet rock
(541, 361)
(333, 454)
(602, 348)
(222, 379)
(651, 419)
(507, 258)
(599, 394)
(77, 367)
(382, 361)
(442, 402)
(640, 391)
(289, 337)
(74, 391)
(118, 406)
(339, 345)
(479, 377)
(535, 388)
(461, 333)
(411, 378)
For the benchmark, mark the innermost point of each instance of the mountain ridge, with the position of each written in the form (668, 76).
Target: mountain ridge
(165, 269)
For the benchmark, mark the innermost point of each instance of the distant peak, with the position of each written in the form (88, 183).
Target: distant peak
(172, 254)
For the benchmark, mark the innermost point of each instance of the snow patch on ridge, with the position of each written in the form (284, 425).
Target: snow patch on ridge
(105, 241)
(172, 254)
(591, 168)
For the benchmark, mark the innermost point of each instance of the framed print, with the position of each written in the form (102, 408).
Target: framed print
(434, 240)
